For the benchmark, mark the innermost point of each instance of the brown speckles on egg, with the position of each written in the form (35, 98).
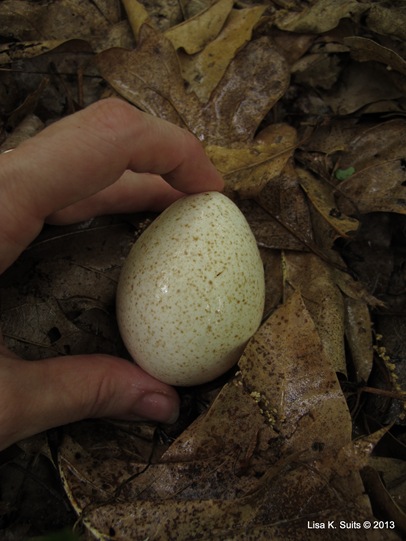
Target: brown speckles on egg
(191, 292)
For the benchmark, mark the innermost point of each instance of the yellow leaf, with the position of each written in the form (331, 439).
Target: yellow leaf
(137, 15)
(248, 169)
(204, 70)
(196, 32)
(322, 197)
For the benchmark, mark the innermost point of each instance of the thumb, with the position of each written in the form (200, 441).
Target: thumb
(37, 395)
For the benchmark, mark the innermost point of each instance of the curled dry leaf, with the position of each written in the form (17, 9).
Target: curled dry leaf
(137, 16)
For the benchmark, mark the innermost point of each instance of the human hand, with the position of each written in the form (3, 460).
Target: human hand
(108, 158)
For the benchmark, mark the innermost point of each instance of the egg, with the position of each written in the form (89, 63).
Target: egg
(191, 291)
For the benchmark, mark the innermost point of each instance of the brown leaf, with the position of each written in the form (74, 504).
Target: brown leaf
(320, 16)
(58, 20)
(366, 50)
(254, 80)
(358, 331)
(223, 475)
(387, 19)
(361, 85)
(51, 297)
(282, 218)
(154, 86)
(315, 280)
(379, 179)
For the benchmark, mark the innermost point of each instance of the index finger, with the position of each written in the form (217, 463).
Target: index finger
(86, 152)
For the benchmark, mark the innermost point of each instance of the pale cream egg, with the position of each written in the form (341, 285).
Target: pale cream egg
(191, 292)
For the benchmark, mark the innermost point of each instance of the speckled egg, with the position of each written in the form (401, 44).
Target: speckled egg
(191, 292)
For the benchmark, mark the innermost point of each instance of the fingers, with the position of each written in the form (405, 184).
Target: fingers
(84, 153)
(38, 395)
(133, 192)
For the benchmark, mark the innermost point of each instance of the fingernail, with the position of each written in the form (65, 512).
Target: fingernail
(158, 407)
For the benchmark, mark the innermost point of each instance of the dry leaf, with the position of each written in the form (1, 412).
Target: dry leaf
(247, 169)
(388, 19)
(321, 196)
(27, 128)
(62, 308)
(379, 179)
(358, 331)
(282, 219)
(359, 86)
(58, 20)
(252, 83)
(149, 77)
(367, 50)
(315, 279)
(321, 16)
(274, 450)
(223, 475)
(137, 16)
(204, 71)
(195, 33)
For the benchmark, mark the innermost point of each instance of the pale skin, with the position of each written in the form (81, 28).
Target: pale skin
(108, 158)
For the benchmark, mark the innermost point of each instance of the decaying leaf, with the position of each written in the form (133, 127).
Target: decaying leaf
(379, 181)
(316, 281)
(154, 86)
(280, 216)
(365, 50)
(387, 19)
(320, 16)
(223, 476)
(62, 308)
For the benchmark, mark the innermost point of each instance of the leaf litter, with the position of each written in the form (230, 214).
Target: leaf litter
(301, 106)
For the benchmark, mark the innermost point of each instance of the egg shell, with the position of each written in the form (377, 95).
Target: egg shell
(191, 292)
